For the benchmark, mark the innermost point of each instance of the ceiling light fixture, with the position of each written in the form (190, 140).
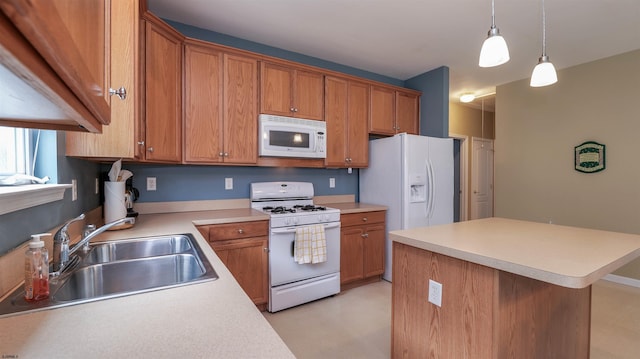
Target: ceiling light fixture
(544, 74)
(494, 50)
(467, 97)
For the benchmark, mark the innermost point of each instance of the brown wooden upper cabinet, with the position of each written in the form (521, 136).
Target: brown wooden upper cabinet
(221, 106)
(72, 37)
(290, 91)
(163, 92)
(122, 138)
(393, 111)
(347, 112)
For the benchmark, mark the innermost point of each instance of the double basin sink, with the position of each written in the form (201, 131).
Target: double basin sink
(120, 268)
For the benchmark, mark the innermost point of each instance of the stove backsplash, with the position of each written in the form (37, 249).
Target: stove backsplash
(194, 183)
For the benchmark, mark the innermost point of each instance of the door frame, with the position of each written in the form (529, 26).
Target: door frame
(464, 174)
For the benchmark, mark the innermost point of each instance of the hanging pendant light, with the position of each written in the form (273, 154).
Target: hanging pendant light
(544, 74)
(494, 50)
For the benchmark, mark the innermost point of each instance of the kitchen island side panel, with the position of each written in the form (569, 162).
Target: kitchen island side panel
(485, 312)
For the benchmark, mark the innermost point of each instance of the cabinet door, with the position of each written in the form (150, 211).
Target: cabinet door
(373, 250)
(351, 254)
(357, 134)
(163, 93)
(76, 47)
(308, 98)
(247, 260)
(382, 114)
(407, 113)
(119, 139)
(276, 89)
(240, 109)
(203, 135)
(336, 97)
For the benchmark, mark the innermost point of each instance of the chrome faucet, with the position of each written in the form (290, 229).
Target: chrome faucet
(61, 251)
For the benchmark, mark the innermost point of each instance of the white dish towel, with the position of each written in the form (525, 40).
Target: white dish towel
(310, 245)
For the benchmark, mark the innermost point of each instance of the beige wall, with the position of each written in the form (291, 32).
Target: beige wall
(467, 121)
(537, 130)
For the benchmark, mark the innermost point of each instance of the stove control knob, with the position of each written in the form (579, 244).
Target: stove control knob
(295, 220)
(287, 221)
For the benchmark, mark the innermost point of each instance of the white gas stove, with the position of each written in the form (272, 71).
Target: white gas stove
(290, 206)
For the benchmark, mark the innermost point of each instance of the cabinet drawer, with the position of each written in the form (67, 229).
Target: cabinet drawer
(354, 219)
(222, 232)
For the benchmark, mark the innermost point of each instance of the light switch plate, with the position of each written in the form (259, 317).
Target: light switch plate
(228, 183)
(435, 293)
(151, 183)
(332, 183)
(74, 190)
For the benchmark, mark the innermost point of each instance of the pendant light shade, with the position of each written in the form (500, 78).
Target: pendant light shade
(544, 74)
(494, 50)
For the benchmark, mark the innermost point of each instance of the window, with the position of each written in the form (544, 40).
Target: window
(15, 151)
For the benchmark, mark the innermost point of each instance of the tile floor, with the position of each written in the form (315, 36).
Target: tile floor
(356, 323)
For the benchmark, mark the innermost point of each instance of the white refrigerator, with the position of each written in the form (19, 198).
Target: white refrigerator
(413, 176)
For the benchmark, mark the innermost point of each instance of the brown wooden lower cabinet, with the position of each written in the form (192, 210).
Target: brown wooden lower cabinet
(243, 248)
(485, 312)
(361, 247)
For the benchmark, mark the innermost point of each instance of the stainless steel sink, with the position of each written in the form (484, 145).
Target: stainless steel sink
(135, 248)
(120, 268)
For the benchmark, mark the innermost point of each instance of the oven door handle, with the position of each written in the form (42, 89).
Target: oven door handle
(293, 229)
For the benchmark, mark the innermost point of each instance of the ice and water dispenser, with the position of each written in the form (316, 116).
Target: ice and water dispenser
(418, 188)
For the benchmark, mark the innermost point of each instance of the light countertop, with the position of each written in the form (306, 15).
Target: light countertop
(214, 319)
(566, 256)
(355, 207)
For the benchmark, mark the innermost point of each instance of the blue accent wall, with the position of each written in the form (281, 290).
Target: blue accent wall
(434, 103)
(192, 183)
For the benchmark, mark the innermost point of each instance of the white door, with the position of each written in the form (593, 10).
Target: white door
(482, 178)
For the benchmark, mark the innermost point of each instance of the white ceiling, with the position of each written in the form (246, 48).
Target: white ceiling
(405, 38)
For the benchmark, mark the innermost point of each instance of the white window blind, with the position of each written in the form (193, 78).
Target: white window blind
(15, 151)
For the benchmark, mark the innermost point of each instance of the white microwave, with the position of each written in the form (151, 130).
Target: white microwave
(282, 136)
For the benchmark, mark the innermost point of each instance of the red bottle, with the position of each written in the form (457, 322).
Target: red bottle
(36, 270)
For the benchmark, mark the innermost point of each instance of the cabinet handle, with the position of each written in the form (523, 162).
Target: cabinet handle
(240, 231)
(364, 219)
(141, 143)
(365, 235)
(121, 92)
(150, 149)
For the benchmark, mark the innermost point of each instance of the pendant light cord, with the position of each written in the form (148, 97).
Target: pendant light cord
(544, 31)
(493, 14)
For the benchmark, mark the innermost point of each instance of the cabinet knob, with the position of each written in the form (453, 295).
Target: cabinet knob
(121, 92)
(292, 109)
(226, 154)
(364, 219)
(150, 149)
(221, 154)
(364, 235)
(141, 143)
(240, 231)
(265, 249)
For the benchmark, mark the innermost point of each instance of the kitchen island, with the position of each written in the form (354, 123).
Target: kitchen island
(510, 289)
(213, 319)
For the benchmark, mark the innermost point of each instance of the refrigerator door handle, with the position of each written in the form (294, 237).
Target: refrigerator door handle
(431, 181)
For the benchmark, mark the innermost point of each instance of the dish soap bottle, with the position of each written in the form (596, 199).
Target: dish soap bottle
(36, 270)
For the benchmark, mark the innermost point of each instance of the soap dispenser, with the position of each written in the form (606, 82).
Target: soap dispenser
(36, 269)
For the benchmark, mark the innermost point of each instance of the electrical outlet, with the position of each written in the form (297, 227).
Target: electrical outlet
(97, 186)
(332, 183)
(228, 183)
(151, 183)
(435, 293)
(74, 190)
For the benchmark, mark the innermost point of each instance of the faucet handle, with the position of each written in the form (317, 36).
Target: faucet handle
(62, 234)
